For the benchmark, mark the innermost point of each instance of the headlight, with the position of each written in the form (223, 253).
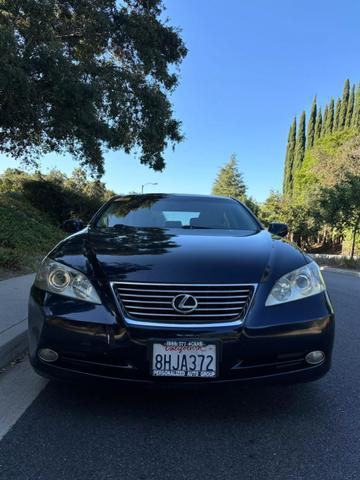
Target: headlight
(58, 278)
(300, 283)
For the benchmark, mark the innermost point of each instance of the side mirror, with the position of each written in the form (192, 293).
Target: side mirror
(73, 225)
(279, 229)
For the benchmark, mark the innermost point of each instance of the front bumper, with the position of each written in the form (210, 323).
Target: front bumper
(93, 341)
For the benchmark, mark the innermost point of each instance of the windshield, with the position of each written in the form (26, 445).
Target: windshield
(161, 211)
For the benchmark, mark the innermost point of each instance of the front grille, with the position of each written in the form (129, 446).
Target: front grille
(152, 302)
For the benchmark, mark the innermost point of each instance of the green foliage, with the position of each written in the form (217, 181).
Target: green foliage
(289, 159)
(331, 143)
(348, 244)
(350, 111)
(325, 119)
(299, 215)
(341, 206)
(58, 196)
(303, 220)
(26, 234)
(318, 125)
(320, 174)
(304, 177)
(356, 115)
(344, 105)
(337, 118)
(84, 76)
(329, 122)
(252, 204)
(311, 125)
(229, 181)
(273, 209)
(307, 177)
(300, 143)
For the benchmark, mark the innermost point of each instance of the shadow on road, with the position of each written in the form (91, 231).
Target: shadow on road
(199, 405)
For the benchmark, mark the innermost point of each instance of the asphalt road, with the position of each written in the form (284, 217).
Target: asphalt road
(305, 431)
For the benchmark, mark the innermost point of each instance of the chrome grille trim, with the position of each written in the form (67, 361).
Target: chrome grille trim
(140, 308)
(193, 291)
(171, 296)
(171, 309)
(167, 303)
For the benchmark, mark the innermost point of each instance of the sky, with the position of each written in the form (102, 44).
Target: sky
(251, 66)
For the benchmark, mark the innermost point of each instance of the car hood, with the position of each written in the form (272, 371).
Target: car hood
(177, 256)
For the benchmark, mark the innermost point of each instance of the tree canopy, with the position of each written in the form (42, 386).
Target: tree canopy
(229, 181)
(341, 205)
(322, 168)
(85, 76)
(289, 159)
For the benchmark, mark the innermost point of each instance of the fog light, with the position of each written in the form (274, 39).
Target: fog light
(315, 357)
(47, 355)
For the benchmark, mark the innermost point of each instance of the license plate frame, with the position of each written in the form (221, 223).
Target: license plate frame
(206, 347)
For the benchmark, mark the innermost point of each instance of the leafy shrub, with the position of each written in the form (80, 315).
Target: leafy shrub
(58, 196)
(59, 202)
(26, 234)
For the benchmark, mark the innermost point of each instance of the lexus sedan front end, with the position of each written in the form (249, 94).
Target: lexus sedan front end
(176, 289)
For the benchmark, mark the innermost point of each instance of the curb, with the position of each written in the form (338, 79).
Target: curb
(14, 294)
(13, 343)
(341, 271)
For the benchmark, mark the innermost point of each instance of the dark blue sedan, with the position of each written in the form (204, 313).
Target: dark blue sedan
(179, 289)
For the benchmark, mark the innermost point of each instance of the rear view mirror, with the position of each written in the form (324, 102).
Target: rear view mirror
(73, 225)
(279, 229)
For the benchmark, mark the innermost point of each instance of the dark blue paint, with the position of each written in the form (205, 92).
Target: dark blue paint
(94, 339)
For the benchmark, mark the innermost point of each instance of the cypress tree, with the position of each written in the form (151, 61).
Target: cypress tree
(344, 104)
(318, 125)
(300, 144)
(356, 115)
(350, 111)
(325, 120)
(337, 115)
(331, 117)
(311, 125)
(289, 160)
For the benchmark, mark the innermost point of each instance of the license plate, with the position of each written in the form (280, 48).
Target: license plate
(175, 358)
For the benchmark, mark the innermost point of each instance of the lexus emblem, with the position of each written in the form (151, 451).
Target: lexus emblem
(184, 303)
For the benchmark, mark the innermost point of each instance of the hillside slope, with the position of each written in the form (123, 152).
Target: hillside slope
(26, 234)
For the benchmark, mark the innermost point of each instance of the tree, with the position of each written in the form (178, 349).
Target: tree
(252, 204)
(289, 160)
(311, 125)
(325, 120)
(301, 217)
(350, 111)
(12, 180)
(344, 104)
(329, 122)
(331, 168)
(356, 115)
(337, 120)
(341, 206)
(318, 125)
(84, 76)
(300, 144)
(229, 181)
(273, 209)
